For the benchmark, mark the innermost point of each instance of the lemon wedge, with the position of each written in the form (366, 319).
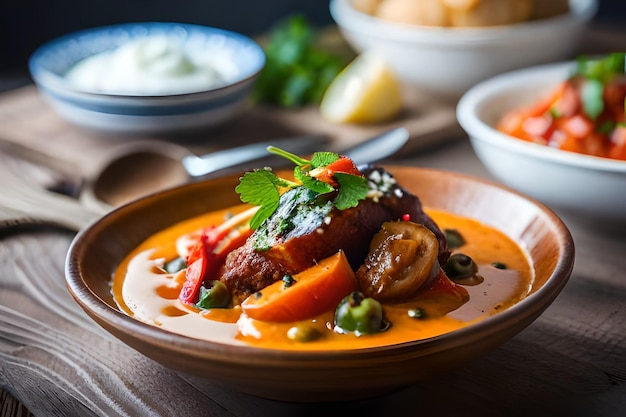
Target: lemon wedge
(365, 91)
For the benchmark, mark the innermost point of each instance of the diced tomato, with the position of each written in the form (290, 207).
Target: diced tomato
(572, 144)
(538, 126)
(511, 124)
(594, 144)
(343, 164)
(597, 144)
(558, 121)
(443, 284)
(578, 126)
(549, 103)
(568, 102)
(614, 94)
(618, 143)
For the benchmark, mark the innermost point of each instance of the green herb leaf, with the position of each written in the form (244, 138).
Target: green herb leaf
(602, 70)
(606, 127)
(352, 189)
(297, 160)
(260, 188)
(311, 183)
(297, 71)
(321, 159)
(591, 94)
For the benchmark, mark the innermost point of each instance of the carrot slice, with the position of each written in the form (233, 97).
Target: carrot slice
(316, 290)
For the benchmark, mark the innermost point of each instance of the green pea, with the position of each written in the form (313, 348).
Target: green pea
(359, 315)
(303, 333)
(215, 296)
(460, 266)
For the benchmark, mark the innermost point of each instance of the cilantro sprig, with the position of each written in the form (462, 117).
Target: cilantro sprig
(595, 74)
(298, 68)
(324, 173)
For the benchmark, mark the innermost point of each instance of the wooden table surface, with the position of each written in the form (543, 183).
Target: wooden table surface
(57, 362)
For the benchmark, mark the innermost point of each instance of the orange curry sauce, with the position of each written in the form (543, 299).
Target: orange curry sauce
(144, 291)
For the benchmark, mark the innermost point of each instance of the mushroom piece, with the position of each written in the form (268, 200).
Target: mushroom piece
(402, 259)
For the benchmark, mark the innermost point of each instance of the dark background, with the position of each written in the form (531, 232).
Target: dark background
(26, 24)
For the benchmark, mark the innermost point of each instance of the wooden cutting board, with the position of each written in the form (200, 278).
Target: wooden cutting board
(26, 118)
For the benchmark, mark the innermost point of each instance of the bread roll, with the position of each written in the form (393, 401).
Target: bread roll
(416, 12)
(491, 13)
(462, 13)
(366, 6)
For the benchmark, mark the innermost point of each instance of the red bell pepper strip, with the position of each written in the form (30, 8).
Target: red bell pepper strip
(208, 254)
(202, 262)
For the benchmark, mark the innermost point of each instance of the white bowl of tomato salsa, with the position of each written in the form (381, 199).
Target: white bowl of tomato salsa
(589, 186)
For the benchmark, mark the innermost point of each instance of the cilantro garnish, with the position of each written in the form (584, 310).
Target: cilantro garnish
(596, 73)
(324, 173)
(298, 69)
(352, 189)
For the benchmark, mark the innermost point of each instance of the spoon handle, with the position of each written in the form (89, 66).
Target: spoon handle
(24, 203)
(197, 166)
(379, 147)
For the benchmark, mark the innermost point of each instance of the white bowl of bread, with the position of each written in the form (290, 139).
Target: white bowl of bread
(444, 47)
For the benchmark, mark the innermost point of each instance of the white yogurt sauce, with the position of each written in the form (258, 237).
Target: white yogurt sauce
(139, 293)
(154, 65)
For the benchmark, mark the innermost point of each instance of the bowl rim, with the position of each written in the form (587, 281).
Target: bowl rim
(353, 20)
(57, 84)
(239, 354)
(484, 93)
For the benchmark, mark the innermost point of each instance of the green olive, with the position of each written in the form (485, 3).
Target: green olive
(360, 315)
(499, 265)
(460, 266)
(216, 295)
(454, 238)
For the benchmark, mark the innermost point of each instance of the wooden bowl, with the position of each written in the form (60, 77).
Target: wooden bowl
(321, 375)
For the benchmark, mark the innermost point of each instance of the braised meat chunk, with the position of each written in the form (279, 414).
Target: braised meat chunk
(307, 228)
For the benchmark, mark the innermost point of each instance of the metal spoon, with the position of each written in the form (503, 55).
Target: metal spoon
(25, 203)
(145, 171)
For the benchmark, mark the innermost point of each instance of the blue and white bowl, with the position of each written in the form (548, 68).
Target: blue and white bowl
(152, 113)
